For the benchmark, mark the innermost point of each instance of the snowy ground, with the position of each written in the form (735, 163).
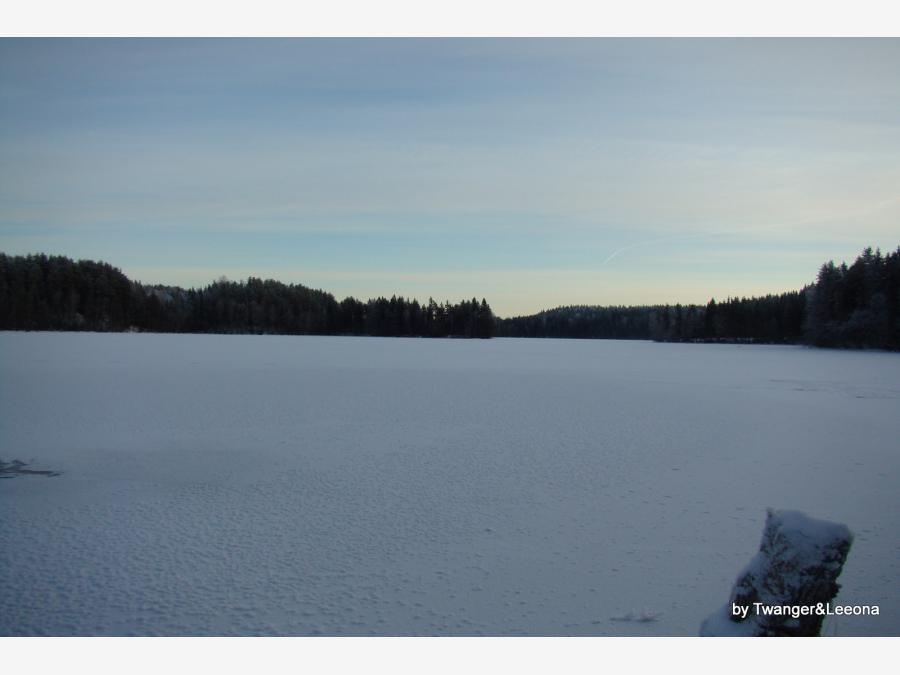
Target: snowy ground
(353, 486)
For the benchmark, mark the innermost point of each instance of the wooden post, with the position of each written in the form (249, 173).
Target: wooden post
(787, 587)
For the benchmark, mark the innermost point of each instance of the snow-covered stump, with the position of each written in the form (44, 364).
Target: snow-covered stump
(786, 588)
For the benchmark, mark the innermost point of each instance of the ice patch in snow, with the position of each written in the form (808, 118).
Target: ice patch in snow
(638, 617)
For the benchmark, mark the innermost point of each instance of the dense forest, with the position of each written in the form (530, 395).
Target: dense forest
(846, 306)
(771, 319)
(38, 292)
(855, 306)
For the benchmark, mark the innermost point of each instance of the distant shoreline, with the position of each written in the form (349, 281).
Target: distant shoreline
(856, 306)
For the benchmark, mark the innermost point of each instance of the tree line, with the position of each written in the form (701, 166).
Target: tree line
(856, 306)
(39, 292)
(847, 306)
(769, 319)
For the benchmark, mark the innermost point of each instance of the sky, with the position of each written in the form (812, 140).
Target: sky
(531, 172)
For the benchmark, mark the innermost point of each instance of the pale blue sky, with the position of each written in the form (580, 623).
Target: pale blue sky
(534, 173)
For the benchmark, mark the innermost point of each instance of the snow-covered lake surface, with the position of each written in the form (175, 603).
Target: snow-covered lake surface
(353, 486)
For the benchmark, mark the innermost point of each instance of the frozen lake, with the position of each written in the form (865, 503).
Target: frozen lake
(354, 486)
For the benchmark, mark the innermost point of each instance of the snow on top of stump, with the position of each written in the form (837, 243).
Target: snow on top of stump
(802, 530)
(804, 541)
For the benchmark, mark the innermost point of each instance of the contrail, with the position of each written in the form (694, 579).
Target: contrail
(657, 241)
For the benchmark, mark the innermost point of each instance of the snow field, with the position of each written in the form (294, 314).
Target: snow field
(275, 485)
